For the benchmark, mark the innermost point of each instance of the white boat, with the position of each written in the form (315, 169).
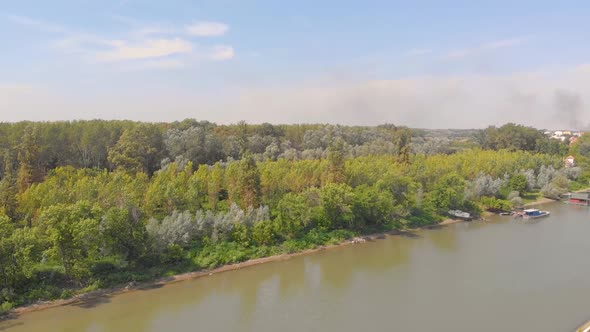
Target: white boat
(533, 214)
(460, 214)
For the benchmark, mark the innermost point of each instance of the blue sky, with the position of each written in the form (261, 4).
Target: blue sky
(421, 63)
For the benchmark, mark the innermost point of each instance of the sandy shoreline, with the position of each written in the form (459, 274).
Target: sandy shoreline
(540, 201)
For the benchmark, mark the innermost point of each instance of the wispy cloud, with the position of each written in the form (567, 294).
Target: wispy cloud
(503, 43)
(207, 29)
(151, 46)
(222, 52)
(454, 54)
(158, 64)
(417, 52)
(492, 45)
(38, 24)
(123, 50)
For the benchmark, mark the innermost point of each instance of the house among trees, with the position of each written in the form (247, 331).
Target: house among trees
(570, 161)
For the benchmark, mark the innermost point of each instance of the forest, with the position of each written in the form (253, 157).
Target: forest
(86, 205)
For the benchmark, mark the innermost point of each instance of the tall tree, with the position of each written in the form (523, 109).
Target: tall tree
(28, 154)
(404, 136)
(249, 182)
(243, 137)
(336, 161)
(140, 148)
(8, 189)
(215, 185)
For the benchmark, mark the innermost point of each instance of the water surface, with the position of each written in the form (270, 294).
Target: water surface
(502, 275)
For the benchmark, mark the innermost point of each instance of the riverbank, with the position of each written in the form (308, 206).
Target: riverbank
(113, 291)
(545, 200)
(540, 201)
(107, 292)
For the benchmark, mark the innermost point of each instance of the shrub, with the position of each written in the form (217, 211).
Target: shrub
(5, 307)
(495, 204)
(518, 182)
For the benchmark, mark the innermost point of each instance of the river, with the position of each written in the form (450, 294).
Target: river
(501, 275)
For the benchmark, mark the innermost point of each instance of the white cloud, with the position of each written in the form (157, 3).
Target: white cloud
(152, 48)
(207, 29)
(222, 52)
(139, 43)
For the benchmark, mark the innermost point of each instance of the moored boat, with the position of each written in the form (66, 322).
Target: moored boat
(460, 215)
(533, 214)
(578, 198)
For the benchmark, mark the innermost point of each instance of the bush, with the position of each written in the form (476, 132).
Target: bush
(104, 268)
(558, 186)
(66, 293)
(221, 254)
(518, 182)
(422, 217)
(173, 254)
(45, 292)
(296, 245)
(263, 233)
(47, 275)
(495, 204)
(6, 307)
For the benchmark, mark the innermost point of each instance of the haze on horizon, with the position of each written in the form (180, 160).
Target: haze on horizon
(423, 64)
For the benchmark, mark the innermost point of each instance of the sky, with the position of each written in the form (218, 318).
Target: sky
(427, 64)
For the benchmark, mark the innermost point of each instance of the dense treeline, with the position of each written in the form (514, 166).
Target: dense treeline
(86, 205)
(42, 147)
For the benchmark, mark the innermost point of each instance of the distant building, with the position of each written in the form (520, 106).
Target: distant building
(582, 198)
(567, 133)
(573, 139)
(570, 161)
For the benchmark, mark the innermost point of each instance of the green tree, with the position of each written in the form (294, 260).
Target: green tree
(448, 193)
(249, 182)
(72, 231)
(293, 215)
(124, 233)
(518, 182)
(373, 207)
(215, 185)
(8, 267)
(337, 202)
(336, 163)
(512, 137)
(140, 148)
(242, 137)
(403, 138)
(8, 189)
(28, 153)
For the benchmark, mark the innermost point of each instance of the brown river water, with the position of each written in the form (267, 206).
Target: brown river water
(501, 275)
